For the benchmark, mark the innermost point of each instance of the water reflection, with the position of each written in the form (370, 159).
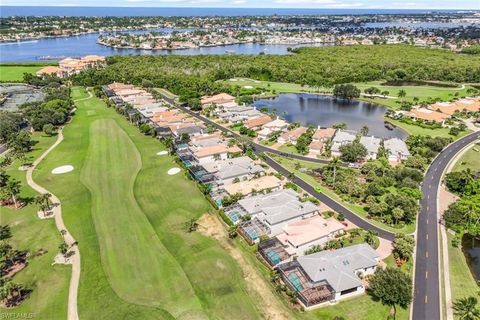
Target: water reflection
(318, 110)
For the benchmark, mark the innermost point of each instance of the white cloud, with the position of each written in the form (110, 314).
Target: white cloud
(239, 2)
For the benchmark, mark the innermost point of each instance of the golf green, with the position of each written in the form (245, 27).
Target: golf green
(129, 217)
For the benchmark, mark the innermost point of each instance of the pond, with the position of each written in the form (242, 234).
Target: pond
(475, 261)
(325, 111)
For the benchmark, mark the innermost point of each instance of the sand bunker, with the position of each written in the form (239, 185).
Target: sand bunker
(62, 169)
(248, 87)
(173, 171)
(162, 153)
(233, 80)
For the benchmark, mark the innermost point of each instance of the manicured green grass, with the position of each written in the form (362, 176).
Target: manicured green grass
(132, 267)
(462, 282)
(417, 130)
(14, 72)
(166, 93)
(278, 87)
(166, 202)
(469, 160)
(422, 92)
(49, 284)
(288, 148)
(357, 209)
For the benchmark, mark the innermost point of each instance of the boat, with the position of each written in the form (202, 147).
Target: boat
(230, 51)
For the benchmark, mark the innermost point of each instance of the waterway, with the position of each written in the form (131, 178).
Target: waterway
(325, 111)
(86, 44)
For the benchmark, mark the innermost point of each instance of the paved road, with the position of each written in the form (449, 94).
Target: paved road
(426, 303)
(334, 205)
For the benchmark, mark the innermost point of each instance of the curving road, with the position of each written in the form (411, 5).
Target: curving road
(333, 204)
(426, 298)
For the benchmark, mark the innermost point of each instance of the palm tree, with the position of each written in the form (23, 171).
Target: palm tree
(364, 131)
(334, 163)
(168, 141)
(370, 237)
(136, 118)
(466, 309)
(12, 188)
(43, 202)
(402, 94)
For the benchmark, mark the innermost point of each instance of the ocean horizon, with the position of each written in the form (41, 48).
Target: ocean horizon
(7, 11)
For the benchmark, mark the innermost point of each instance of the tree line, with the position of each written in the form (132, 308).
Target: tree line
(194, 76)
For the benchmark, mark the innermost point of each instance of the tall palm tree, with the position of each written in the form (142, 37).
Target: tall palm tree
(334, 164)
(12, 188)
(402, 94)
(466, 309)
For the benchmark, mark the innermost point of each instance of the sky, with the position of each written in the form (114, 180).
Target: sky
(319, 4)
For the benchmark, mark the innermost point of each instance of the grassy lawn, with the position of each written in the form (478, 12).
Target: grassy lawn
(14, 72)
(422, 92)
(417, 130)
(49, 284)
(131, 209)
(357, 209)
(469, 159)
(288, 148)
(278, 87)
(166, 93)
(462, 282)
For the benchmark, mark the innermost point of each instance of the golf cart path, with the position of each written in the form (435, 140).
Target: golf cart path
(72, 313)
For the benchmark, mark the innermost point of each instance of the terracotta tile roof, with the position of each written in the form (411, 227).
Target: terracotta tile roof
(326, 133)
(257, 122)
(293, 134)
(316, 145)
(217, 99)
(49, 70)
(212, 150)
(428, 115)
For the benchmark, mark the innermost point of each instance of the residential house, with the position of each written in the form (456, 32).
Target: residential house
(276, 125)
(299, 236)
(427, 115)
(258, 122)
(217, 99)
(248, 187)
(292, 135)
(342, 137)
(204, 155)
(323, 134)
(273, 211)
(372, 144)
(396, 149)
(229, 170)
(329, 276)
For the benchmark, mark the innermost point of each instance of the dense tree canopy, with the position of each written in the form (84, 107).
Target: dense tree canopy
(193, 76)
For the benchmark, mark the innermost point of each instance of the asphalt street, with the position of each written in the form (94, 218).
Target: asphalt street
(426, 303)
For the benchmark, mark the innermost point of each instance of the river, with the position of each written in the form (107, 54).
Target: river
(325, 111)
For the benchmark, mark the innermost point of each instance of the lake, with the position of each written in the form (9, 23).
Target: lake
(325, 111)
